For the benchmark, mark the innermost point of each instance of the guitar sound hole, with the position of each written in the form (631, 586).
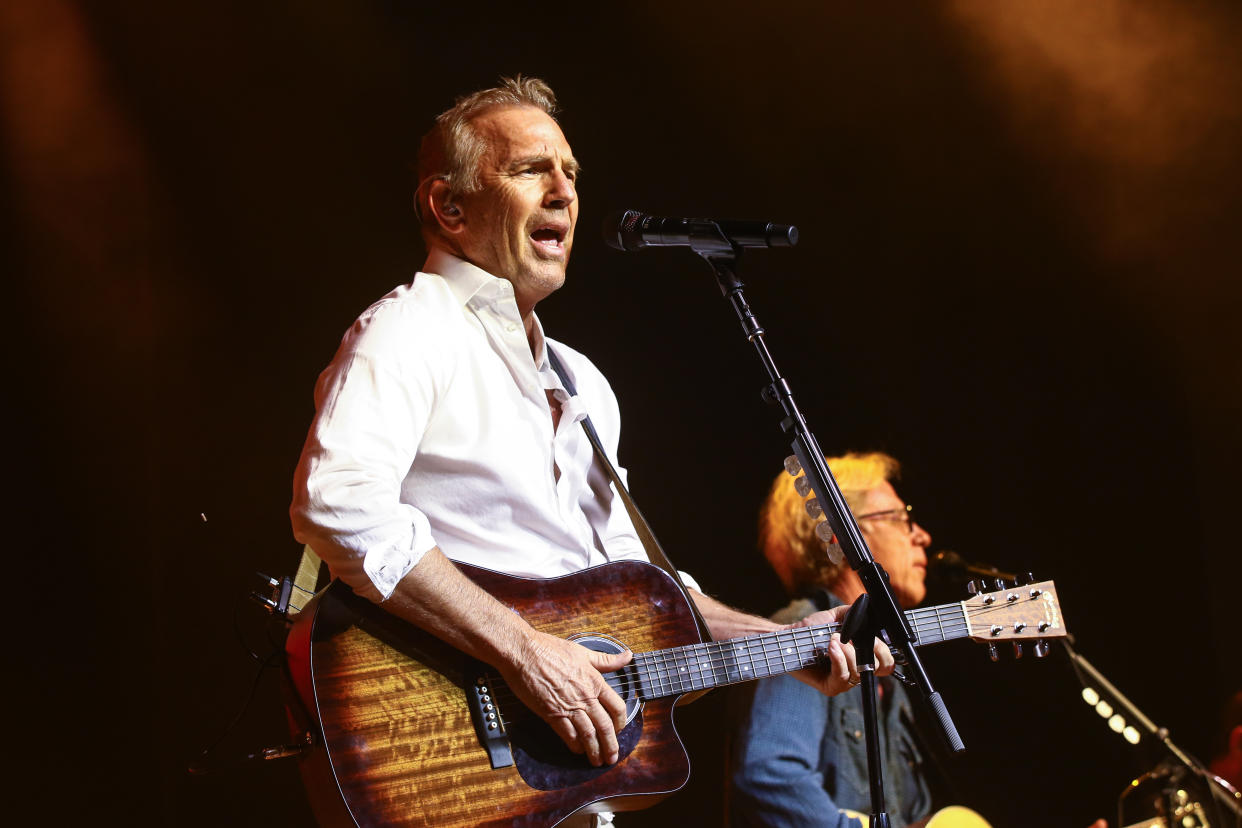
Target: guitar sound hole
(544, 761)
(625, 680)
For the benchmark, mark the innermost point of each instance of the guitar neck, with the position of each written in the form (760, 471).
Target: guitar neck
(696, 667)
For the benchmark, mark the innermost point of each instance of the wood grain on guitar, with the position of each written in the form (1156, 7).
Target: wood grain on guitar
(416, 734)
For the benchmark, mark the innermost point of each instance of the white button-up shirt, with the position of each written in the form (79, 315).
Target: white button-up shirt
(432, 428)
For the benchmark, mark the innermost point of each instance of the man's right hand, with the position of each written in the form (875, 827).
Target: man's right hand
(559, 681)
(562, 683)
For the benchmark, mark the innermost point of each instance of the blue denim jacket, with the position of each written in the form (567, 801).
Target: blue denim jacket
(798, 757)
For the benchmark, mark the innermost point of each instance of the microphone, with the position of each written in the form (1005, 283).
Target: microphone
(948, 559)
(632, 230)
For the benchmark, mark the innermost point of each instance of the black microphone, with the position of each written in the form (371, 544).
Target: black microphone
(948, 559)
(632, 230)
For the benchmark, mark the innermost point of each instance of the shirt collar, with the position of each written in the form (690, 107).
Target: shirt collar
(466, 281)
(463, 278)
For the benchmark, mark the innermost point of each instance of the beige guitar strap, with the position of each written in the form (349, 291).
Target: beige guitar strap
(307, 578)
(654, 553)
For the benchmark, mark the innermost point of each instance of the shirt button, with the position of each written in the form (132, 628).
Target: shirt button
(510, 327)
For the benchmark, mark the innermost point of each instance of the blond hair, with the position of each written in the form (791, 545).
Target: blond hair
(451, 150)
(787, 533)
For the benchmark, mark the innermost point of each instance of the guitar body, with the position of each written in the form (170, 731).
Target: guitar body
(401, 745)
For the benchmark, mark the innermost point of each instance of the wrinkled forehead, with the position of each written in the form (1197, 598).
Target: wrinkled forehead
(512, 132)
(880, 498)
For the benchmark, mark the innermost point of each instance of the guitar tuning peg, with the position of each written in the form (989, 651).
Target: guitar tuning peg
(993, 653)
(976, 586)
(792, 465)
(1024, 578)
(1017, 649)
(1041, 648)
(1000, 584)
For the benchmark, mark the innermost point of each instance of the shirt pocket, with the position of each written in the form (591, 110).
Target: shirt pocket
(852, 779)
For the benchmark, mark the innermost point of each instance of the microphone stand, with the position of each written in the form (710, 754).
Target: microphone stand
(875, 614)
(1089, 677)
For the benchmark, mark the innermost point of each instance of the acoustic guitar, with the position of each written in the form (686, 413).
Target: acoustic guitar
(414, 733)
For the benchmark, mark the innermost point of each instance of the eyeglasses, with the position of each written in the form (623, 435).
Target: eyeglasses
(904, 515)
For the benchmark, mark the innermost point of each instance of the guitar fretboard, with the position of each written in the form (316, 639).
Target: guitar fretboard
(715, 663)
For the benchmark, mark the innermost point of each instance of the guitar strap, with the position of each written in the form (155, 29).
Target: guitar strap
(310, 566)
(307, 577)
(654, 553)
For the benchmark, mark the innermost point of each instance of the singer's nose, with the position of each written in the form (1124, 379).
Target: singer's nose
(561, 192)
(920, 536)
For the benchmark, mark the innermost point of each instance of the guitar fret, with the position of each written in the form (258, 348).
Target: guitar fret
(685, 669)
(744, 659)
(654, 675)
(729, 663)
(704, 675)
(785, 651)
(667, 674)
(707, 668)
(705, 665)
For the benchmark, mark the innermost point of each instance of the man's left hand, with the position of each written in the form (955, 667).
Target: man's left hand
(840, 673)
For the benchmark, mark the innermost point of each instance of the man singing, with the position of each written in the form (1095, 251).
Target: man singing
(442, 433)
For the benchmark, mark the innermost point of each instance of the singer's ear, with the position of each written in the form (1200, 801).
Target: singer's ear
(448, 213)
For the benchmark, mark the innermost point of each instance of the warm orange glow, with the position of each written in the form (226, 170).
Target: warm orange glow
(1130, 95)
(79, 174)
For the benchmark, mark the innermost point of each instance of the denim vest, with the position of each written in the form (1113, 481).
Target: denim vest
(797, 757)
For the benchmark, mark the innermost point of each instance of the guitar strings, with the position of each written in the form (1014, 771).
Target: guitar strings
(675, 670)
(682, 669)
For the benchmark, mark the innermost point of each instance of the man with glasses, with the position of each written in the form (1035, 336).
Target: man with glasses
(799, 758)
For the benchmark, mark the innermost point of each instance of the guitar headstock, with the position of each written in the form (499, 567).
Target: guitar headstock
(1018, 613)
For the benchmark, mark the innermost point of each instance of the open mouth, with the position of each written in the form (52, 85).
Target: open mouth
(550, 238)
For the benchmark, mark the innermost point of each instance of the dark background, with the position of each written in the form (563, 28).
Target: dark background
(1018, 274)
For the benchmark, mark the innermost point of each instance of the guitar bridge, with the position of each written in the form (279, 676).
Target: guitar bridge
(488, 724)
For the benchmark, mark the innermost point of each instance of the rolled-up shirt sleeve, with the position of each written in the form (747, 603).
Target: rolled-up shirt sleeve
(371, 411)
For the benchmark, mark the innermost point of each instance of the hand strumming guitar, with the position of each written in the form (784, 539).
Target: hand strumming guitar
(563, 684)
